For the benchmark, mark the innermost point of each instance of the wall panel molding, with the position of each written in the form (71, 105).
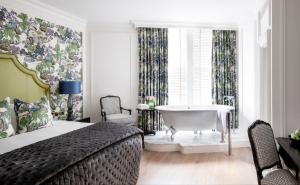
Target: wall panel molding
(110, 27)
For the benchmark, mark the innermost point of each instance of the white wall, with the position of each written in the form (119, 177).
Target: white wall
(113, 44)
(110, 43)
(272, 65)
(122, 11)
(112, 69)
(292, 38)
(280, 66)
(281, 78)
(264, 60)
(249, 67)
(113, 47)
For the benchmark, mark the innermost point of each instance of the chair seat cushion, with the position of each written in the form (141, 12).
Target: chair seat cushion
(279, 176)
(120, 118)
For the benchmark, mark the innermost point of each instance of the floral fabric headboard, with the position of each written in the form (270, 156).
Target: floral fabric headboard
(19, 82)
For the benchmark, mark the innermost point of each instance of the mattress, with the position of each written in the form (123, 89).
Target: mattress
(24, 139)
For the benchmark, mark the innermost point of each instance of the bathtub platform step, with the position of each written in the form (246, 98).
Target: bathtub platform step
(187, 142)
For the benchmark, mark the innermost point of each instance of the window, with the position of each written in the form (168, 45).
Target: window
(189, 72)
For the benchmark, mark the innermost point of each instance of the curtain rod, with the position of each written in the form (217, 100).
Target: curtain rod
(138, 24)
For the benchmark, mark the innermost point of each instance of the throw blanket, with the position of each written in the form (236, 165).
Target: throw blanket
(34, 164)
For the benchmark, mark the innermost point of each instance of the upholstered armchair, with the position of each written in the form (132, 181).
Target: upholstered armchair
(112, 111)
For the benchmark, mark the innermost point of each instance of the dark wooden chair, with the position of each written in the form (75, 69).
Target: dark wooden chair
(265, 156)
(112, 111)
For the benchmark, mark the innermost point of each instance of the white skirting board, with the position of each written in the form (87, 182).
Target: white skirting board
(187, 142)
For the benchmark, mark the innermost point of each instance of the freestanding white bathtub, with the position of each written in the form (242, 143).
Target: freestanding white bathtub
(195, 117)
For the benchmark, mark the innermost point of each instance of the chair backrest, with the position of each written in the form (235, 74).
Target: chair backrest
(263, 146)
(111, 104)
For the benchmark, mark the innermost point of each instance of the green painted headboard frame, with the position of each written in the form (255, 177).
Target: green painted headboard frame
(16, 81)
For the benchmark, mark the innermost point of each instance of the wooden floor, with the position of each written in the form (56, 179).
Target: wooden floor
(212, 168)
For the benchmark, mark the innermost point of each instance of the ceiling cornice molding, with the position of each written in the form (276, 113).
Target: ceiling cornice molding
(160, 24)
(131, 25)
(50, 8)
(38, 9)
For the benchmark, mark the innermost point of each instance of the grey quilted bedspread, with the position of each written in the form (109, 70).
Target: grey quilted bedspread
(62, 159)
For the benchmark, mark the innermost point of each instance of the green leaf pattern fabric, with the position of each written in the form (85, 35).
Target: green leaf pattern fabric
(225, 69)
(6, 128)
(33, 116)
(153, 65)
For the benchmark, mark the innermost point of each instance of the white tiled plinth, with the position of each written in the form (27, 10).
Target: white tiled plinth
(188, 142)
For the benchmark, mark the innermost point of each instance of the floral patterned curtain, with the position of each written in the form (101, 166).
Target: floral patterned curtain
(225, 70)
(153, 65)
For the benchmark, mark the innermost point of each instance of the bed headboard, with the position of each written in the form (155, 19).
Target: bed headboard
(16, 81)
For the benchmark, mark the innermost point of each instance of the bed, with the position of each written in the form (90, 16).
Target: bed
(67, 152)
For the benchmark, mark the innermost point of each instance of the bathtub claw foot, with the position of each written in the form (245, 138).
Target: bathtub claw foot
(172, 137)
(222, 137)
(173, 132)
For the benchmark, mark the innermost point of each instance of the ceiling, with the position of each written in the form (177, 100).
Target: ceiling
(111, 11)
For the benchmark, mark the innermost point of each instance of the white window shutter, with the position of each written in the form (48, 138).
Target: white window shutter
(190, 66)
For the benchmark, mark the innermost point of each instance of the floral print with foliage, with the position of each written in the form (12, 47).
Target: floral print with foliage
(54, 51)
(153, 66)
(6, 128)
(33, 116)
(225, 70)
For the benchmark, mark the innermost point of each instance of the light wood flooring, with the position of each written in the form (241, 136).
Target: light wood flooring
(184, 169)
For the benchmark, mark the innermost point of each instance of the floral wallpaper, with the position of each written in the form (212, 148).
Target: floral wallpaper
(54, 51)
(225, 71)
